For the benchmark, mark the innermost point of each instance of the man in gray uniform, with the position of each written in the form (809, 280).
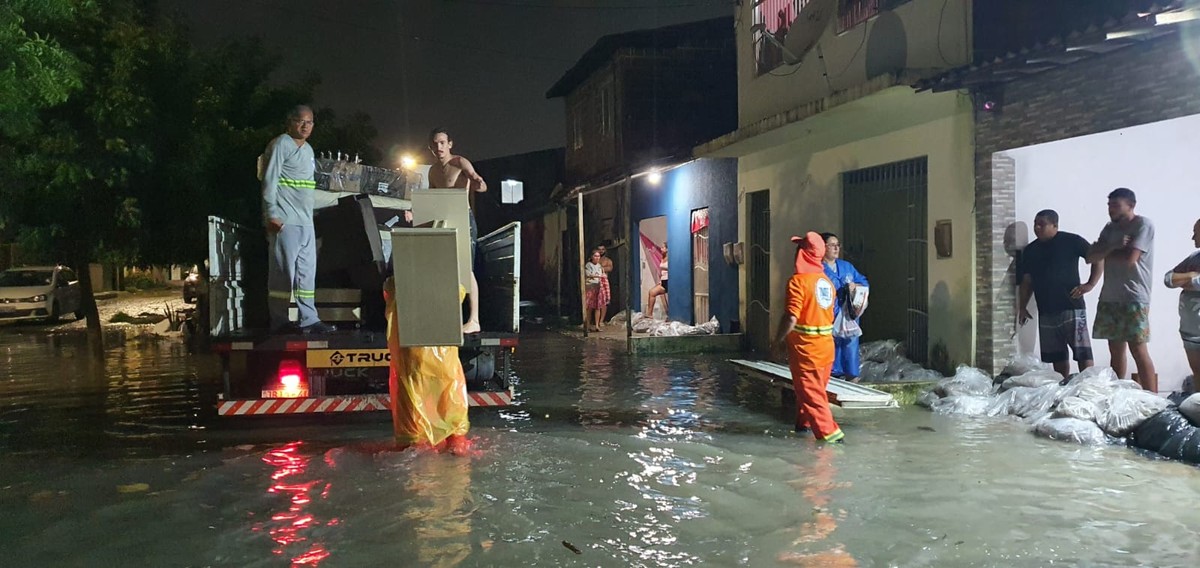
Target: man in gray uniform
(287, 192)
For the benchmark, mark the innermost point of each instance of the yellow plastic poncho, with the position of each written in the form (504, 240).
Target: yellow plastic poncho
(427, 386)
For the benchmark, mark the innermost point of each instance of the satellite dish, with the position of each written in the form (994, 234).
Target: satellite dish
(809, 26)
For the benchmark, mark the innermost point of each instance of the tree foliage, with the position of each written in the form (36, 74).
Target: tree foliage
(117, 138)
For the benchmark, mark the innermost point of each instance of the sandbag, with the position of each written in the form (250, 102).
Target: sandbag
(1127, 409)
(1156, 432)
(881, 351)
(1023, 364)
(969, 405)
(966, 381)
(1031, 379)
(1071, 430)
(1190, 408)
(1002, 404)
(928, 399)
(427, 386)
(1037, 401)
(1075, 407)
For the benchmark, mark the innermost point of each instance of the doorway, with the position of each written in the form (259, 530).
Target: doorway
(885, 237)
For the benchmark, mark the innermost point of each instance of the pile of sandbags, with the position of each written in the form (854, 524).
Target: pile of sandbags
(884, 362)
(660, 328)
(1093, 407)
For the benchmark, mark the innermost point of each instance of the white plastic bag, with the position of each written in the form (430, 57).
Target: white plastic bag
(1031, 379)
(928, 399)
(1075, 407)
(1037, 400)
(1190, 409)
(969, 405)
(966, 381)
(1024, 363)
(1071, 430)
(1127, 409)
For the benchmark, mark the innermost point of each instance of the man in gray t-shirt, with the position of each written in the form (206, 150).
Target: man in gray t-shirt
(1126, 246)
(1186, 277)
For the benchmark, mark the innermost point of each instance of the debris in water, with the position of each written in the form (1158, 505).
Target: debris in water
(926, 428)
(133, 488)
(572, 548)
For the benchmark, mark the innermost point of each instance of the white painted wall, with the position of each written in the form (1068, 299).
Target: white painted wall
(937, 35)
(803, 173)
(1074, 177)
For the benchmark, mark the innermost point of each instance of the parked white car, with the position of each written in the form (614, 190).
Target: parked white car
(39, 293)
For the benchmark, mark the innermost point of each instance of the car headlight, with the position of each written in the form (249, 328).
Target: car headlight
(37, 298)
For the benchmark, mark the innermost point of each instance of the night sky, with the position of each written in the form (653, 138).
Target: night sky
(480, 68)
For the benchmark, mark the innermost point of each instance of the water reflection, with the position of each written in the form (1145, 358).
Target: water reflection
(438, 507)
(292, 529)
(813, 544)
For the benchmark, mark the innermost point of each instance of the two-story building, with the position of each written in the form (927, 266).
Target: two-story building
(832, 137)
(636, 104)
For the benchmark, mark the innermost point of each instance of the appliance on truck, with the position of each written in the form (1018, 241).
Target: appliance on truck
(361, 239)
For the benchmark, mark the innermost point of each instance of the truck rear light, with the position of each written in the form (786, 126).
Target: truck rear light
(289, 381)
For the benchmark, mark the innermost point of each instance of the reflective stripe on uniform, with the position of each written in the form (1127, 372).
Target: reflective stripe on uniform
(297, 183)
(835, 436)
(305, 294)
(813, 329)
(280, 294)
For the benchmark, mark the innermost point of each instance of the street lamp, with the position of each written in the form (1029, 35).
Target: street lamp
(408, 162)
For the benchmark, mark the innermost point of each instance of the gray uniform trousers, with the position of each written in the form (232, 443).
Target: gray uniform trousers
(293, 271)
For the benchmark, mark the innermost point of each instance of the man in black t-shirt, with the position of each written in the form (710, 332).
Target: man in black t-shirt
(1049, 271)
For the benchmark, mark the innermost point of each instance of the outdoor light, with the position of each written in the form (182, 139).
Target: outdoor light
(1175, 17)
(654, 177)
(408, 162)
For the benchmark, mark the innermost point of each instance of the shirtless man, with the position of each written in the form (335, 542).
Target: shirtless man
(457, 172)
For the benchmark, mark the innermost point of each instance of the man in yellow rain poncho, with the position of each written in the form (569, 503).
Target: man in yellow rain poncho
(428, 390)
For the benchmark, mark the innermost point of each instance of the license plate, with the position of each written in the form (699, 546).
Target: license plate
(285, 393)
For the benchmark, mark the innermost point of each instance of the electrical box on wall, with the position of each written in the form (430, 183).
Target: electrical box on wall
(943, 238)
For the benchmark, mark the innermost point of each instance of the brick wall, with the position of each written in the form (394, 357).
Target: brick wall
(1144, 83)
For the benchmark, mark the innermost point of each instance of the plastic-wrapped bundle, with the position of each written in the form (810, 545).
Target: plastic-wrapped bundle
(881, 351)
(1169, 433)
(923, 375)
(1127, 409)
(966, 381)
(1031, 379)
(1071, 430)
(1190, 408)
(970, 405)
(1022, 364)
(1037, 400)
(1075, 407)
(1002, 405)
(928, 399)
(1093, 385)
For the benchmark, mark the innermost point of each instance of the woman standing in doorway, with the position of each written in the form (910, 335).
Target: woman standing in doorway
(593, 273)
(661, 289)
(846, 279)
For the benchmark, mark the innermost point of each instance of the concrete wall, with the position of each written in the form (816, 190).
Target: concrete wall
(804, 177)
(918, 35)
(1074, 176)
(1145, 83)
(708, 183)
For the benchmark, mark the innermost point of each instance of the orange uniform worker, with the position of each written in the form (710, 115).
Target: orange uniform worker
(807, 332)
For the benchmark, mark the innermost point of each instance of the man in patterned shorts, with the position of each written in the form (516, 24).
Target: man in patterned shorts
(1126, 245)
(1049, 271)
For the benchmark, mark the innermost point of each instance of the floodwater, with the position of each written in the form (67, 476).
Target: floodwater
(607, 461)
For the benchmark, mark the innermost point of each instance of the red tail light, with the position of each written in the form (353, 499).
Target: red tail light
(289, 381)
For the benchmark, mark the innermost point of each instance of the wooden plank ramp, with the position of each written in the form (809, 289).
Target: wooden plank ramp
(842, 393)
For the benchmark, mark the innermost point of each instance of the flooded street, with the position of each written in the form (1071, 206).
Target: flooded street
(607, 461)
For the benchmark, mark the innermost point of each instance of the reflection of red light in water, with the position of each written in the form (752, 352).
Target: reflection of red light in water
(287, 526)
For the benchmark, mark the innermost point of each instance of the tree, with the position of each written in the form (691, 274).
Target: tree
(35, 71)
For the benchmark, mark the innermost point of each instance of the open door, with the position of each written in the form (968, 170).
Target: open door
(498, 271)
(226, 300)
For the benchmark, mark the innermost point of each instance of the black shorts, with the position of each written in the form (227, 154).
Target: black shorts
(663, 283)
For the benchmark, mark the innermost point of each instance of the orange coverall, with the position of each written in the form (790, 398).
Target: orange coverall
(810, 299)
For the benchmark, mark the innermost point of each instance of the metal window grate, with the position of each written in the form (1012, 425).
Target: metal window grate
(881, 205)
(758, 251)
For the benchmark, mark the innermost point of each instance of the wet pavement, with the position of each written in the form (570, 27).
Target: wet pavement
(606, 461)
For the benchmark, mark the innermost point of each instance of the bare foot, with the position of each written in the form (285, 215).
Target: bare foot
(470, 327)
